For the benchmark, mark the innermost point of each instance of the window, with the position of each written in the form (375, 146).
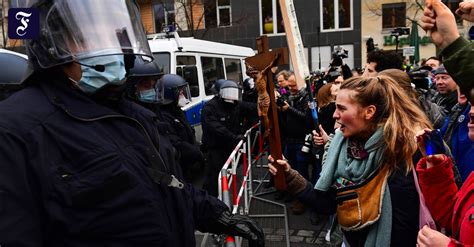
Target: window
(233, 70)
(393, 15)
(271, 21)
(186, 68)
(453, 5)
(217, 13)
(323, 52)
(326, 56)
(163, 60)
(336, 15)
(212, 70)
(163, 14)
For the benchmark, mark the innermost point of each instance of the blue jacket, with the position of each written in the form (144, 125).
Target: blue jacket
(462, 148)
(76, 173)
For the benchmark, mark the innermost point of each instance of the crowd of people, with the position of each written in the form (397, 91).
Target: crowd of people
(97, 151)
(389, 124)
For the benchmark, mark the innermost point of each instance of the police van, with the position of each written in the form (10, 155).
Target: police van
(200, 63)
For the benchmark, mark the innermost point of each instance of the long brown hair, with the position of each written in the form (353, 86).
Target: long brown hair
(400, 116)
(403, 80)
(324, 95)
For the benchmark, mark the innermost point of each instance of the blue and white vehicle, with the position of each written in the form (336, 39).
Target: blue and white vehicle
(201, 63)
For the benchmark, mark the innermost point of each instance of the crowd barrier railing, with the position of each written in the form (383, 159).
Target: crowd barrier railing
(235, 180)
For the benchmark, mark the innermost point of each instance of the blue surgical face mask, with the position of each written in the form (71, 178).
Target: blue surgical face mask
(92, 80)
(147, 96)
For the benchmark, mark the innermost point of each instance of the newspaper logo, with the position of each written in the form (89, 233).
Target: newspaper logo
(23, 23)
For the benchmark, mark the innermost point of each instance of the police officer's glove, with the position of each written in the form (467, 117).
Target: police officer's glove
(244, 226)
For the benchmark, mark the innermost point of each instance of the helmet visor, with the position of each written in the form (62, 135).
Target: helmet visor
(88, 28)
(230, 93)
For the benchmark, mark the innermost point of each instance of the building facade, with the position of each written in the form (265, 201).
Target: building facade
(381, 17)
(324, 24)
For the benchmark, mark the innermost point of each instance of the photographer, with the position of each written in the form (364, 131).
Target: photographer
(337, 63)
(296, 128)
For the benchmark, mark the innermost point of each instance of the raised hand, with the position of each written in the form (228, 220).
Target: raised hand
(466, 10)
(440, 22)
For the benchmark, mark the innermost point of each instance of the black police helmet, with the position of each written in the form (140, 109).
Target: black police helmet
(229, 90)
(143, 68)
(218, 84)
(171, 85)
(67, 32)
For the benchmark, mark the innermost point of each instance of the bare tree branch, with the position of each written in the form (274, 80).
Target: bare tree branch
(194, 13)
(4, 36)
(375, 7)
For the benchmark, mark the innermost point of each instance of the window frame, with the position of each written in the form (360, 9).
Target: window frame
(205, 56)
(218, 13)
(336, 17)
(219, 8)
(239, 68)
(166, 14)
(388, 30)
(274, 12)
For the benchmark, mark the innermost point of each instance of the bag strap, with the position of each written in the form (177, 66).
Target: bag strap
(425, 217)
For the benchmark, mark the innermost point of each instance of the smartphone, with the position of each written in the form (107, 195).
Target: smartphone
(434, 142)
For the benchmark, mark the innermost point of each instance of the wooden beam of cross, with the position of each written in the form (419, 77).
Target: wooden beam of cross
(259, 67)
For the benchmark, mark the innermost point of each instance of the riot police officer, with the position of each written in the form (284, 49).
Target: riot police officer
(77, 169)
(176, 94)
(222, 127)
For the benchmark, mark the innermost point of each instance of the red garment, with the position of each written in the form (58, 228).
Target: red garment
(449, 207)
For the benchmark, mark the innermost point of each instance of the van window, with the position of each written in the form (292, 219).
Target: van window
(186, 68)
(233, 69)
(185, 60)
(163, 60)
(212, 70)
(190, 74)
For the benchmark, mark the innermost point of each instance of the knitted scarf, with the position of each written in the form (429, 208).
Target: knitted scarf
(339, 164)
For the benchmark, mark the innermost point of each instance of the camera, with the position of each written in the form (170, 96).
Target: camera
(399, 31)
(339, 54)
(333, 75)
(280, 102)
(420, 78)
(317, 74)
(308, 143)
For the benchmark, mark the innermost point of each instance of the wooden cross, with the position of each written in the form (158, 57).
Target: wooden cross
(265, 59)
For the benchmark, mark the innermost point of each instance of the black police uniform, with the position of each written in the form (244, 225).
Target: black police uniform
(76, 173)
(181, 135)
(222, 129)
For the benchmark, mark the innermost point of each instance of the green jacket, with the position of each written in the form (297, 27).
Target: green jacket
(458, 59)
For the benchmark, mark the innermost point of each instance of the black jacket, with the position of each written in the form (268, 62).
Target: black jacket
(182, 137)
(297, 122)
(76, 173)
(222, 123)
(325, 118)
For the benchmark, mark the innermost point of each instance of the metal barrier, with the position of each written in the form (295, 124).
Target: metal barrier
(235, 182)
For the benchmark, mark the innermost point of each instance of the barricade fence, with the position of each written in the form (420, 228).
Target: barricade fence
(235, 180)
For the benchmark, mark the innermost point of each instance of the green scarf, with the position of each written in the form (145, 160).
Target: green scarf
(338, 164)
